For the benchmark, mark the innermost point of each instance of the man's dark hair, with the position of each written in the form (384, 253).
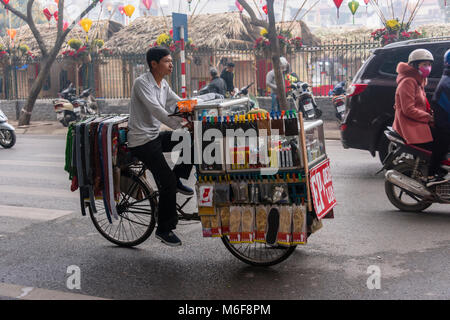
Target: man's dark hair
(156, 54)
(230, 64)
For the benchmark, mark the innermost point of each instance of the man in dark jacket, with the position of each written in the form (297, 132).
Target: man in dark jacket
(217, 85)
(228, 75)
(441, 111)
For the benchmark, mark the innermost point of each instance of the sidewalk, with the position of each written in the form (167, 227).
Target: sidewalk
(55, 128)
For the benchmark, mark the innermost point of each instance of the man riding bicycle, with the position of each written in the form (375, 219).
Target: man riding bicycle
(152, 100)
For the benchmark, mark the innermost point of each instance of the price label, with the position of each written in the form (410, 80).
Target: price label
(322, 191)
(206, 196)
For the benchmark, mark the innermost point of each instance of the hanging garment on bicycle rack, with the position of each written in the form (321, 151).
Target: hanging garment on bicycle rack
(110, 170)
(102, 169)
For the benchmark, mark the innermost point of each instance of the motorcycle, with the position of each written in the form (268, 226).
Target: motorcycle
(407, 171)
(69, 107)
(338, 100)
(7, 132)
(304, 101)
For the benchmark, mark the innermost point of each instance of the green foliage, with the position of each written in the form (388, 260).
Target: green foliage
(99, 43)
(75, 44)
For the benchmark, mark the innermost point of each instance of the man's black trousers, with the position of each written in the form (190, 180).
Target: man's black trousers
(151, 154)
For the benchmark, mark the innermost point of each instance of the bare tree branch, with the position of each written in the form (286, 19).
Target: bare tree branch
(34, 30)
(16, 12)
(251, 13)
(81, 16)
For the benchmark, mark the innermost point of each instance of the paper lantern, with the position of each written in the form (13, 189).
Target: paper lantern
(239, 6)
(5, 1)
(129, 10)
(47, 14)
(147, 3)
(121, 10)
(55, 14)
(57, 1)
(86, 24)
(265, 9)
(65, 25)
(12, 33)
(366, 2)
(353, 6)
(338, 3)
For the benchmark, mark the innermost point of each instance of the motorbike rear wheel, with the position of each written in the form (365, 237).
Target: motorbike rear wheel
(395, 194)
(7, 138)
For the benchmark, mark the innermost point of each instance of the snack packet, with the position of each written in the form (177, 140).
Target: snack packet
(261, 223)
(206, 226)
(222, 194)
(284, 236)
(299, 235)
(216, 230)
(235, 224)
(247, 226)
(224, 214)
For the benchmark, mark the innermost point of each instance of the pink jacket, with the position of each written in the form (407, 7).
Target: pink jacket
(411, 116)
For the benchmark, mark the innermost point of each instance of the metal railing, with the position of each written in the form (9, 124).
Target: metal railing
(112, 76)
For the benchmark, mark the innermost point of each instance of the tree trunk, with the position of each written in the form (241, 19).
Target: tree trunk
(275, 50)
(25, 113)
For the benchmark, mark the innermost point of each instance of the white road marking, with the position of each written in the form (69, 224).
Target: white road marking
(42, 192)
(31, 293)
(32, 213)
(23, 163)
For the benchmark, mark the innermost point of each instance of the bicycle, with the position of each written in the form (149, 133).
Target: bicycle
(137, 211)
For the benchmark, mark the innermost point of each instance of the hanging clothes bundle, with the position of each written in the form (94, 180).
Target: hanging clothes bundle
(92, 147)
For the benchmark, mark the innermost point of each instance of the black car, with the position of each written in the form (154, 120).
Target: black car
(371, 96)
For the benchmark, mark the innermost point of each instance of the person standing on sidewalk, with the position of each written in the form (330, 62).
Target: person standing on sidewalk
(271, 83)
(228, 76)
(151, 101)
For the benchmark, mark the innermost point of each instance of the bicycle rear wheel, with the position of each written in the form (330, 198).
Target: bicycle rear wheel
(258, 254)
(136, 209)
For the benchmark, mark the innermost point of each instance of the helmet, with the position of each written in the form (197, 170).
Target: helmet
(283, 63)
(213, 72)
(420, 55)
(447, 58)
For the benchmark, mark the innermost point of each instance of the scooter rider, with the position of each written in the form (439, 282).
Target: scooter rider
(414, 119)
(441, 108)
(151, 102)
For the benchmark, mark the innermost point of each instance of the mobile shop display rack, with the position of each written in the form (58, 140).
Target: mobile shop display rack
(269, 185)
(260, 215)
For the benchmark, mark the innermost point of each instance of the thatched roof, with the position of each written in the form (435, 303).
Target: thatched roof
(104, 30)
(224, 30)
(345, 34)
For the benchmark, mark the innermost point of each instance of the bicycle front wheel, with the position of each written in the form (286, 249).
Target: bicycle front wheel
(258, 254)
(136, 210)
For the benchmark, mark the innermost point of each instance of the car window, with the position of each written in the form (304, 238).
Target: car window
(394, 57)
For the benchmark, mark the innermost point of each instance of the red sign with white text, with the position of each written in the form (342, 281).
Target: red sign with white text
(322, 189)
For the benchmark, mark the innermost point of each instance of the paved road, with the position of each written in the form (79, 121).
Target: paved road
(42, 233)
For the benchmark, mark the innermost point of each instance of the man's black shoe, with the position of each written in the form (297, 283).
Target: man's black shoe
(169, 238)
(183, 189)
(432, 181)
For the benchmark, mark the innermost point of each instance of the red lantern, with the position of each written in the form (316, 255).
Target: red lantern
(265, 9)
(366, 2)
(5, 1)
(239, 6)
(121, 10)
(65, 25)
(147, 3)
(56, 15)
(47, 14)
(338, 3)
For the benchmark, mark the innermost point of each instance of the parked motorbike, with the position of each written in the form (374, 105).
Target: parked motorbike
(69, 107)
(7, 132)
(304, 101)
(338, 100)
(406, 176)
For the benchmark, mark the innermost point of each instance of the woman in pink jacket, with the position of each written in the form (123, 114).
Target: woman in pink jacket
(413, 116)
